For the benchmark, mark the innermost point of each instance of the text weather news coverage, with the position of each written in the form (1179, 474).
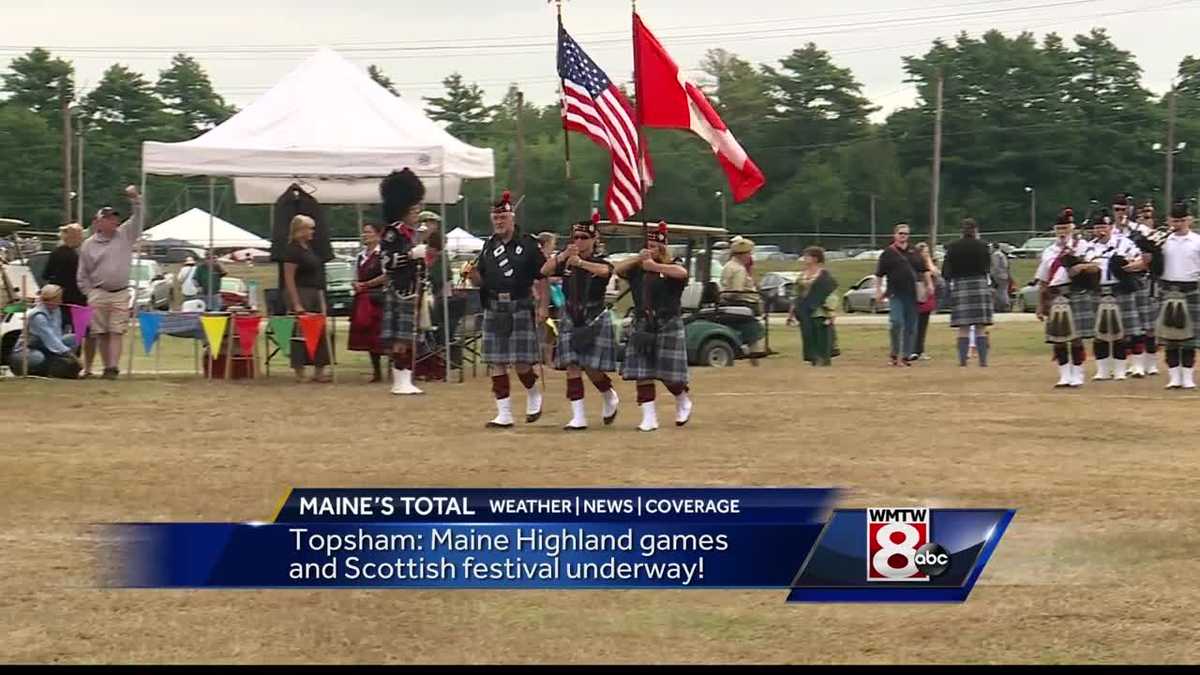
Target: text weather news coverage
(597, 538)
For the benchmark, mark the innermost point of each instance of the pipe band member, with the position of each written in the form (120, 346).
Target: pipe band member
(1181, 298)
(1066, 303)
(1140, 346)
(967, 268)
(657, 345)
(586, 341)
(1118, 320)
(505, 272)
(402, 193)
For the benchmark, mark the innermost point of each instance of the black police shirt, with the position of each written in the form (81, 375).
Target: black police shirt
(583, 289)
(665, 292)
(510, 268)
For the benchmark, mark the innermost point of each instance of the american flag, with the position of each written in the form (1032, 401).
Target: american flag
(593, 106)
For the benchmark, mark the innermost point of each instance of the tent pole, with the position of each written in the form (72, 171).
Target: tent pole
(446, 293)
(137, 283)
(211, 254)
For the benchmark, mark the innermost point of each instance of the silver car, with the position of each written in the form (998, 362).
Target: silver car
(861, 297)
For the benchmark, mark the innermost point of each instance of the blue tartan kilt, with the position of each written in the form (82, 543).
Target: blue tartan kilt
(1192, 298)
(1147, 305)
(1083, 311)
(399, 317)
(971, 302)
(669, 363)
(1131, 316)
(601, 355)
(521, 343)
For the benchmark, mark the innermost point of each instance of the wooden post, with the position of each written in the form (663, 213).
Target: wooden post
(229, 349)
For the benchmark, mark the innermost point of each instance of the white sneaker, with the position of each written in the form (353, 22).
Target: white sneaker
(1176, 380)
(578, 417)
(683, 409)
(649, 417)
(533, 404)
(1119, 371)
(1064, 376)
(1103, 370)
(402, 384)
(1077, 375)
(1151, 361)
(504, 418)
(611, 400)
(1189, 377)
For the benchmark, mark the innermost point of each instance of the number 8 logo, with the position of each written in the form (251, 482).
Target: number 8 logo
(882, 560)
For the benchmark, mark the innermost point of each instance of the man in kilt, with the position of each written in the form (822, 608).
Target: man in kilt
(968, 263)
(657, 345)
(1142, 347)
(401, 193)
(1181, 298)
(585, 330)
(1119, 261)
(505, 271)
(1067, 303)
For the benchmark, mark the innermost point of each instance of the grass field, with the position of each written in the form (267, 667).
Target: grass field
(1097, 567)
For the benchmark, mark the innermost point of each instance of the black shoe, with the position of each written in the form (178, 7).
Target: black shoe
(609, 420)
(568, 427)
(496, 425)
(111, 373)
(530, 419)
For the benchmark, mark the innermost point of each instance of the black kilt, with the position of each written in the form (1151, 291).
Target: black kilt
(1131, 316)
(1083, 310)
(601, 356)
(971, 302)
(520, 345)
(399, 317)
(1192, 298)
(669, 362)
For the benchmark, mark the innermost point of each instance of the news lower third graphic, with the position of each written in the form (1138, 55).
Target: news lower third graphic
(619, 538)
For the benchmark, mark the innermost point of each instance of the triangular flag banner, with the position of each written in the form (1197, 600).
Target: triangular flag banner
(81, 318)
(281, 328)
(311, 326)
(247, 330)
(150, 323)
(214, 331)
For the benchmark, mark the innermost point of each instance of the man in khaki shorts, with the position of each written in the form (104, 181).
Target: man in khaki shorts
(104, 262)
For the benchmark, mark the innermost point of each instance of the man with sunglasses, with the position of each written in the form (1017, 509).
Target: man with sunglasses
(1141, 346)
(586, 342)
(901, 270)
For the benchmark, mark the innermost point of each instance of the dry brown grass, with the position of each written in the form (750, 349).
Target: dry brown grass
(1097, 567)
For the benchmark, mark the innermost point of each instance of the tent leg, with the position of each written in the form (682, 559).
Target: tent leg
(211, 254)
(445, 294)
(137, 284)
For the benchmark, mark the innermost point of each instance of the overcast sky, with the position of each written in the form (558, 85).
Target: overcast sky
(248, 45)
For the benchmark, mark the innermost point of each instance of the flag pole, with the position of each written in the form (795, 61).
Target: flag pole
(641, 135)
(562, 92)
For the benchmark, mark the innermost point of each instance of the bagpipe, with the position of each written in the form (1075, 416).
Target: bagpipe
(1151, 243)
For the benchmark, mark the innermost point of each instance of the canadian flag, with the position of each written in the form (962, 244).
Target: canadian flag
(666, 100)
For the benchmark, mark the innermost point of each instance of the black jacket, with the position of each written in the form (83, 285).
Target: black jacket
(295, 202)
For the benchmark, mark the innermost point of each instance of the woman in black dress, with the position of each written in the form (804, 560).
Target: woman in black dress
(304, 281)
(62, 266)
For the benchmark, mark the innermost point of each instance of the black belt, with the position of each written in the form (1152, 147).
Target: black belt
(1183, 286)
(114, 290)
(509, 305)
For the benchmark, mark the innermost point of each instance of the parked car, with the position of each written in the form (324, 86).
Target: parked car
(771, 252)
(234, 292)
(869, 255)
(1032, 248)
(339, 292)
(1026, 297)
(861, 297)
(152, 288)
(776, 289)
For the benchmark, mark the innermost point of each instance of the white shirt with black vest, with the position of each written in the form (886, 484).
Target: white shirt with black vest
(1102, 253)
(1181, 258)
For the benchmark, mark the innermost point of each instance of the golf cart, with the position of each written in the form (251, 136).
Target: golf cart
(710, 320)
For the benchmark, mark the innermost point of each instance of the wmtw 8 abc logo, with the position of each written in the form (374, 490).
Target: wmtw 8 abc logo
(900, 546)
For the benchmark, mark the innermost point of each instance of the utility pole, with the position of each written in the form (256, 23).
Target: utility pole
(79, 175)
(1170, 178)
(520, 183)
(936, 180)
(65, 105)
(873, 197)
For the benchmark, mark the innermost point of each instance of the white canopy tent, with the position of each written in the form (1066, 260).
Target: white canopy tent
(459, 240)
(194, 225)
(328, 126)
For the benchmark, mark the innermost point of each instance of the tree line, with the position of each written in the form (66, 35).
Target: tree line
(1071, 119)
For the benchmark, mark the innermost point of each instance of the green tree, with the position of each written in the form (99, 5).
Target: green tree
(462, 108)
(37, 81)
(189, 98)
(32, 187)
(382, 80)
